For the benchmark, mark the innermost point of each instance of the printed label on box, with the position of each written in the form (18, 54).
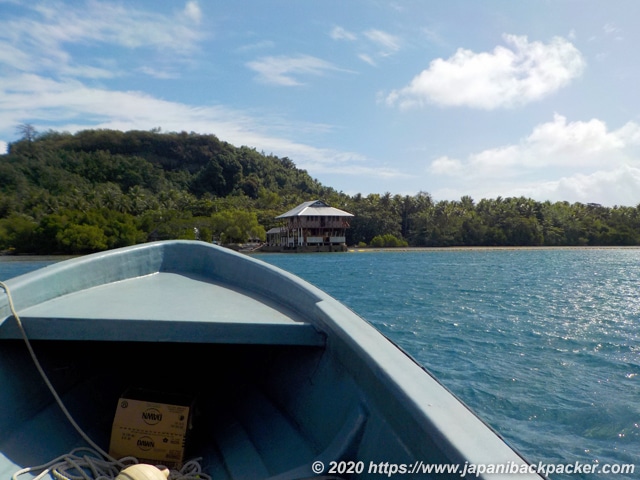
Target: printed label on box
(150, 431)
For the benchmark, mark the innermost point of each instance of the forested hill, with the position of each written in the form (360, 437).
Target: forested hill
(100, 189)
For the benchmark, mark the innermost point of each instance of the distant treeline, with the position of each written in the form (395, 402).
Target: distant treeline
(520, 221)
(101, 189)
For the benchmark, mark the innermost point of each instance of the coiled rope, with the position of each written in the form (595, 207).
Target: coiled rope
(96, 464)
(87, 464)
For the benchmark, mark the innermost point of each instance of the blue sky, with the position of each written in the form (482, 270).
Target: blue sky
(481, 98)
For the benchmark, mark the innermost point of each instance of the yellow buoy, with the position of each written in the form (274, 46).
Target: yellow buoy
(142, 471)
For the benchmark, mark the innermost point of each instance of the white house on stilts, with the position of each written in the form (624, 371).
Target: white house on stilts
(311, 226)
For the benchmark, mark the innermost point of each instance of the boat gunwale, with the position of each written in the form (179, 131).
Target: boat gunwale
(409, 393)
(137, 261)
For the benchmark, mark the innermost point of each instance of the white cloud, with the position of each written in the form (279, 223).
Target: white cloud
(163, 74)
(367, 59)
(500, 160)
(339, 33)
(45, 84)
(13, 57)
(612, 30)
(620, 186)
(371, 44)
(283, 70)
(593, 163)
(72, 106)
(388, 43)
(117, 24)
(504, 78)
(3, 147)
(559, 144)
(446, 166)
(192, 12)
(39, 42)
(578, 142)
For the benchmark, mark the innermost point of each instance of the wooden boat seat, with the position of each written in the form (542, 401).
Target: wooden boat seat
(206, 312)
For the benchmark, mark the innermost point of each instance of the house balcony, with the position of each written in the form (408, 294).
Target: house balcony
(306, 223)
(323, 240)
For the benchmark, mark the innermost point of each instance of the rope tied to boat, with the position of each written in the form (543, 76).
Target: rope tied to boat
(95, 464)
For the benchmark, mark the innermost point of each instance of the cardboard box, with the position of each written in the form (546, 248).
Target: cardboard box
(151, 426)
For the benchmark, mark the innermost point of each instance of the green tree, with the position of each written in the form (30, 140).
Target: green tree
(79, 239)
(141, 185)
(388, 241)
(373, 215)
(237, 226)
(17, 234)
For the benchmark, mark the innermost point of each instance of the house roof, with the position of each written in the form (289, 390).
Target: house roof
(315, 208)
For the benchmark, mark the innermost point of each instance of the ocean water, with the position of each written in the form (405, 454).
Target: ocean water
(11, 266)
(544, 345)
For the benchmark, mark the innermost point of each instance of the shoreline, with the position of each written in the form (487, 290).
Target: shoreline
(497, 248)
(31, 257)
(59, 257)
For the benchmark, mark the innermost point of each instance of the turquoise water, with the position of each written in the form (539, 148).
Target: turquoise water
(543, 344)
(13, 266)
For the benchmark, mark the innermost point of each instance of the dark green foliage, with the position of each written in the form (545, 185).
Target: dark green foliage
(237, 226)
(492, 222)
(100, 189)
(388, 241)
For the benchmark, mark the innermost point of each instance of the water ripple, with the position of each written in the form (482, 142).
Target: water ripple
(544, 344)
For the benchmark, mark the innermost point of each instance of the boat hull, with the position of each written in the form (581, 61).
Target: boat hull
(289, 383)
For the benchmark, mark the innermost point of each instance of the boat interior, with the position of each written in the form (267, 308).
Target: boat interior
(282, 375)
(262, 411)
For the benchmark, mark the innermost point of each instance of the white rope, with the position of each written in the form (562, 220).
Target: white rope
(92, 466)
(97, 463)
(46, 379)
(72, 466)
